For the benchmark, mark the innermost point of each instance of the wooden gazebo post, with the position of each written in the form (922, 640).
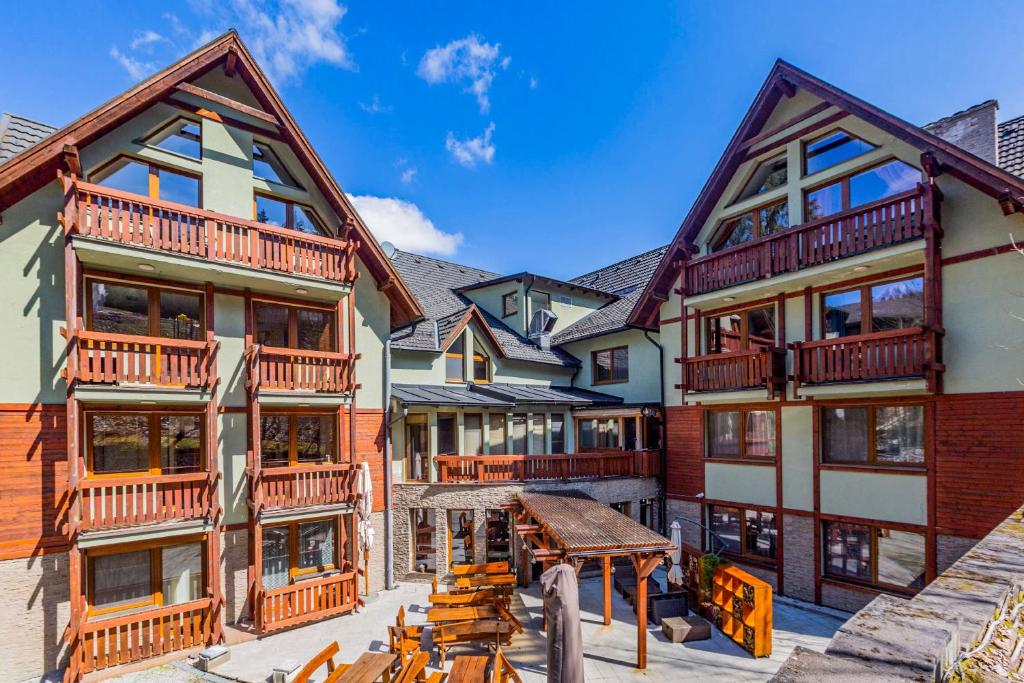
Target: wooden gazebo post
(607, 560)
(645, 566)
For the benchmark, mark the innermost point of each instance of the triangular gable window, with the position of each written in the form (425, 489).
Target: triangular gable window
(266, 165)
(181, 136)
(481, 362)
(831, 149)
(769, 174)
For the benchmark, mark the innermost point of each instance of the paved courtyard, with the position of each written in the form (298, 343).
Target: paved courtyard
(610, 651)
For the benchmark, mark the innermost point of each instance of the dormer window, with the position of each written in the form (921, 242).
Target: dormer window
(454, 361)
(769, 174)
(266, 165)
(754, 224)
(509, 304)
(481, 362)
(832, 149)
(181, 136)
(287, 214)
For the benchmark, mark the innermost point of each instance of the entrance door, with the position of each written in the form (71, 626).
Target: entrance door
(417, 450)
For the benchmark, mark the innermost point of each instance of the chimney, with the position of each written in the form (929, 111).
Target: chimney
(973, 129)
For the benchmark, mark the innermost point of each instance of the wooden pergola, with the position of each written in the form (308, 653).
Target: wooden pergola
(571, 527)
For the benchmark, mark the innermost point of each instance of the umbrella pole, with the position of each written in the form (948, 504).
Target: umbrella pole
(366, 569)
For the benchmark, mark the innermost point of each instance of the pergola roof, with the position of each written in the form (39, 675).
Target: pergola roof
(581, 525)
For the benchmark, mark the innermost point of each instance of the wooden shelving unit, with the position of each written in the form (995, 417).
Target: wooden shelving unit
(745, 604)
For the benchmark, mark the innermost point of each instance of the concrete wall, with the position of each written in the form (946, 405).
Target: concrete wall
(644, 366)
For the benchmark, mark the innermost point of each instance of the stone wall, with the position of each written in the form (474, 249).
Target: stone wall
(686, 510)
(798, 557)
(234, 568)
(482, 497)
(36, 612)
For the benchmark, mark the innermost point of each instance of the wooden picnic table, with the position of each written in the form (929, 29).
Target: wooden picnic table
(488, 580)
(439, 615)
(468, 669)
(369, 668)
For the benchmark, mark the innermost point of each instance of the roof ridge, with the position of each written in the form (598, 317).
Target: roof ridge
(13, 116)
(955, 114)
(618, 263)
(406, 252)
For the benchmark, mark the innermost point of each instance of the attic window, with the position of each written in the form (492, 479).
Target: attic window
(150, 180)
(181, 136)
(768, 175)
(287, 214)
(481, 362)
(454, 363)
(509, 304)
(832, 149)
(267, 166)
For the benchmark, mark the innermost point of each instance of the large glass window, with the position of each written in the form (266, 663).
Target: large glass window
(557, 433)
(768, 175)
(599, 433)
(871, 554)
(832, 149)
(519, 434)
(740, 433)
(885, 180)
(481, 362)
(181, 136)
(316, 546)
(297, 439)
(424, 533)
(276, 557)
(473, 433)
(287, 214)
(181, 572)
(460, 537)
(744, 532)
(134, 579)
(741, 330)
(267, 165)
(150, 180)
(761, 222)
(294, 327)
(873, 435)
(302, 549)
(610, 366)
(447, 435)
(142, 310)
(496, 434)
(873, 308)
(537, 434)
(455, 361)
(417, 448)
(145, 442)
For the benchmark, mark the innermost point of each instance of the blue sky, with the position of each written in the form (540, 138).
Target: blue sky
(524, 136)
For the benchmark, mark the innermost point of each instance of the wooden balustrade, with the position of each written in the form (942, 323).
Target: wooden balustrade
(893, 354)
(303, 601)
(305, 485)
(279, 369)
(126, 218)
(884, 223)
(113, 502)
(108, 358)
(505, 468)
(735, 370)
(108, 642)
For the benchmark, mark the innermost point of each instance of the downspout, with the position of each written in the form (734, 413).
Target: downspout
(664, 432)
(389, 522)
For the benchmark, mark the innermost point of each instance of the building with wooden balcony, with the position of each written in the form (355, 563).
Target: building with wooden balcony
(515, 383)
(844, 407)
(195, 342)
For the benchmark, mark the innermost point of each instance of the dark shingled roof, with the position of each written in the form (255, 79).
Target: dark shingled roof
(498, 395)
(453, 395)
(18, 134)
(1011, 146)
(580, 524)
(433, 282)
(537, 393)
(626, 278)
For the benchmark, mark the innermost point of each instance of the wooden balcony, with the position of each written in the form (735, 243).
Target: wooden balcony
(881, 224)
(119, 502)
(305, 486)
(304, 601)
(456, 469)
(105, 642)
(107, 358)
(128, 219)
(736, 371)
(279, 369)
(894, 354)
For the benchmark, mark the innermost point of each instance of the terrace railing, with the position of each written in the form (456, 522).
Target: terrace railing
(763, 368)
(516, 468)
(124, 501)
(303, 601)
(893, 354)
(108, 358)
(306, 485)
(281, 369)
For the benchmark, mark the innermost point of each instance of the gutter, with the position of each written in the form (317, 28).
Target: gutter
(389, 522)
(663, 507)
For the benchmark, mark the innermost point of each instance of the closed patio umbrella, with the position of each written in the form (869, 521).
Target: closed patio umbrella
(365, 508)
(675, 574)
(562, 614)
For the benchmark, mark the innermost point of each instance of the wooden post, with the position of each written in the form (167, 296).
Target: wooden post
(352, 357)
(213, 469)
(607, 560)
(641, 614)
(525, 567)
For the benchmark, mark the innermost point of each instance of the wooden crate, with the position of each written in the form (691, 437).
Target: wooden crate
(745, 604)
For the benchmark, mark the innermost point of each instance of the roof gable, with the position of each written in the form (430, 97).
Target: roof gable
(39, 164)
(758, 125)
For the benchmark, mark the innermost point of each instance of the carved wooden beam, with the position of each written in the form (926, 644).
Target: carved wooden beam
(72, 161)
(211, 96)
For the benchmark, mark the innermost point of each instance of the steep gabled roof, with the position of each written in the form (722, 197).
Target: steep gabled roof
(624, 276)
(783, 80)
(436, 284)
(38, 165)
(18, 133)
(542, 280)
(1011, 146)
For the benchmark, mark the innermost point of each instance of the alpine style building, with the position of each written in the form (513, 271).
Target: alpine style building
(820, 374)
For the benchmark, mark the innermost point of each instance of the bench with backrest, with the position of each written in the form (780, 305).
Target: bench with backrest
(402, 638)
(324, 657)
(488, 568)
(503, 671)
(485, 580)
(482, 632)
(464, 598)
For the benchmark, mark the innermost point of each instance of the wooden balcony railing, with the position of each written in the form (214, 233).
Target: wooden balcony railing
(306, 485)
(736, 370)
(303, 601)
(108, 358)
(279, 369)
(126, 218)
(114, 502)
(893, 354)
(505, 468)
(884, 223)
(123, 639)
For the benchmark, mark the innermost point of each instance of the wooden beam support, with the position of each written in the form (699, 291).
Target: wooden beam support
(606, 573)
(786, 87)
(522, 529)
(230, 63)
(211, 96)
(72, 162)
(788, 123)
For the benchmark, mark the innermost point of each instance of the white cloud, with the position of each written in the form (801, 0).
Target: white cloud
(467, 60)
(409, 175)
(470, 151)
(374, 107)
(533, 83)
(145, 39)
(403, 224)
(136, 69)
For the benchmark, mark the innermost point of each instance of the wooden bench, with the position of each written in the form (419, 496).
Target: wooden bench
(487, 632)
(485, 580)
(403, 639)
(325, 656)
(465, 598)
(438, 615)
(489, 568)
(503, 671)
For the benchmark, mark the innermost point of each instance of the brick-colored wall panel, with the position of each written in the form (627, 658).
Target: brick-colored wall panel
(684, 451)
(369, 447)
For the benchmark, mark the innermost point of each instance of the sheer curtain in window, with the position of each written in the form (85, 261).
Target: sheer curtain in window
(182, 573)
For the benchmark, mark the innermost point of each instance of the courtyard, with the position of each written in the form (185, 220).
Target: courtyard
(610, 651)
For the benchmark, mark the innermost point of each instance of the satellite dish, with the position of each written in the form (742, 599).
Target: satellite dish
(389, 249)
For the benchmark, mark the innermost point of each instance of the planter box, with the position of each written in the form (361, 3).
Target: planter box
(685, 629)
(667, 605)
